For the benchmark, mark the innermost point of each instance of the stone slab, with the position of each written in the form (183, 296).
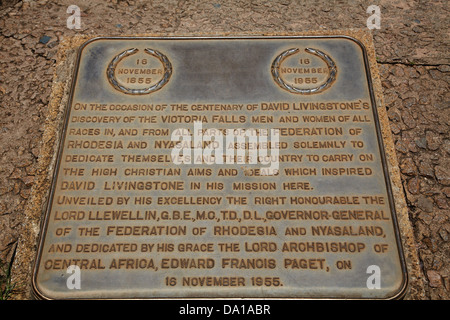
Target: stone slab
(290, 290)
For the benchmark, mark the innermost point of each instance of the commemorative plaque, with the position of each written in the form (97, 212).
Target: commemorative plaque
(221, 168)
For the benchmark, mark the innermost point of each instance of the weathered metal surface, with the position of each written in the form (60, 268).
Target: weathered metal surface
(140, 224)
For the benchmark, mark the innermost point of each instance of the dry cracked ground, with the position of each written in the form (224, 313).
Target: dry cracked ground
(412, 47)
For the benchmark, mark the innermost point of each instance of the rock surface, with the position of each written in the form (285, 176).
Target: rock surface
(412, 54)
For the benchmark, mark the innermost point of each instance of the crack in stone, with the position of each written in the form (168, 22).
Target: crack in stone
(24, 47)
(412, 64)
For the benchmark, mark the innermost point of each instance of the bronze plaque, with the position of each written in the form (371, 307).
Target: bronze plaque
(221, 168)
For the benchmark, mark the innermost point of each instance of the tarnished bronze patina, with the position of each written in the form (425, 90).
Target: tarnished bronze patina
(127, 219)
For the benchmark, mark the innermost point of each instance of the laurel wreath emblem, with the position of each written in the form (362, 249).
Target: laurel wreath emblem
(285, 54)
(111, 72)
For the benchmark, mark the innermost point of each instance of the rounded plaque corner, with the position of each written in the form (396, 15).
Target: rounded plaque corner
(400, 292)
(357, 41)
(38, 292)
(88, 42)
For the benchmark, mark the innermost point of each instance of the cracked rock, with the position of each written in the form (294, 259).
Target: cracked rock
(442, 175)
(425, 203)
(434, 278)
(408, 167)
(426, 169)
(433, 140)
